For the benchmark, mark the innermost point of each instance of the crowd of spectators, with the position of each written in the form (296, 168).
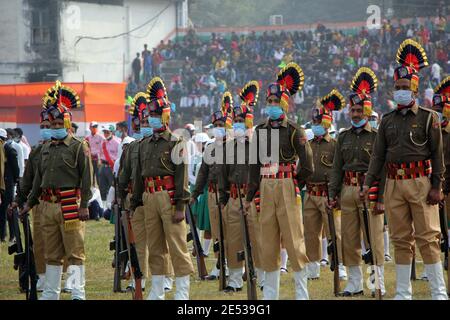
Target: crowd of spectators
(329, 59)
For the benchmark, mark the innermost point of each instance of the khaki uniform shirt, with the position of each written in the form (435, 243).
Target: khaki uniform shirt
(353, 152)
(155, 159)
(409, 135)
(65, 164)
(293, 146)
(323, 154)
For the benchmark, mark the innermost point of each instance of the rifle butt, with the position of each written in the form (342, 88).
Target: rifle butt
(336, 281)
(201, 265)
(138, 289)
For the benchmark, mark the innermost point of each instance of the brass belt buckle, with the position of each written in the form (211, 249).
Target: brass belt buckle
(151, 184)
(53, 198)
(400, 172)
(354, 180)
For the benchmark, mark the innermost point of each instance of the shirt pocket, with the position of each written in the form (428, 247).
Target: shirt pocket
(45, 159)
(347, 153)
(134, 156)
(166, 161)
(418, 135)
(391, 134)
(326, 159)
(366, 151)
(68, 160)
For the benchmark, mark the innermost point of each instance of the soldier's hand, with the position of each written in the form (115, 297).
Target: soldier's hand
(13, 205)
(178, 216)
(378, 209)
(434, 196)
(247, 205)
(332, 204)
(364, 194)
(24, 210)
(83, 214)
(192, 201)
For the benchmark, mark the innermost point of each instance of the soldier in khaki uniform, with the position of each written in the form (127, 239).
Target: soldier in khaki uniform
(160, 184)
(315, 201)
(26, 186)
(233, 179)
(350, 163)
(275, 176)
(63, 181)
(128, 165)
(441, 104)
(409, 145)
(209, 172)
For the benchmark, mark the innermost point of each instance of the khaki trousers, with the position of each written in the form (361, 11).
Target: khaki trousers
(281, 217)
(213, 216)
(234, 237)
(58, 242)
(411, 218)
(352, 229)
(140, 237)
(38, 239)
(164, 236)
(254, 229)
(315, 220)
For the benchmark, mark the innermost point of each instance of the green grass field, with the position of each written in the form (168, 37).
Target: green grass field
(99, 276)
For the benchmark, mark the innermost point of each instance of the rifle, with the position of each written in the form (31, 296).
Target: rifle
(444, 237)
(200, 255)
(413, 264)
(118, 245)
(332, 244)
(29, 275)
(133, 261)
(368, 256)
(221, 259)
(17, 249)
(246, 254)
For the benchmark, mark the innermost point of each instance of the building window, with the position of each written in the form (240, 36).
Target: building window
(40, 27)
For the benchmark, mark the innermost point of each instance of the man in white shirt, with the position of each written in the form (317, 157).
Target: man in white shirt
(19, 149)
(436, 72)
(20, 139)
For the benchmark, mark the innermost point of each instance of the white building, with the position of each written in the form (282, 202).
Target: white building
(83, 40)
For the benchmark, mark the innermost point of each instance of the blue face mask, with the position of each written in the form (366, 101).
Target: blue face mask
(273, 112)
(403, 97)
(46, 134)
(318, 130)
(137, 135)
(239, 128)
(59, 134)
(359, 124)
(219, 132)
(373, 124)
(146, 131)
(155, 123)
(118, 134)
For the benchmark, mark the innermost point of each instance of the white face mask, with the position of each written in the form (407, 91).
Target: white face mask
(403, 97)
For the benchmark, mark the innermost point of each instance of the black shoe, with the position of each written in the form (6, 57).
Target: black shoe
(211, 277)
(262, 288)
(231, 289)
(315, 278)
(65, 290)
(351, 294)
